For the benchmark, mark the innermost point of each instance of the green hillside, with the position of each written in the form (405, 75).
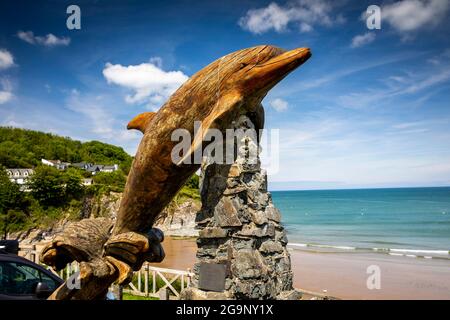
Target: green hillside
(21, 148)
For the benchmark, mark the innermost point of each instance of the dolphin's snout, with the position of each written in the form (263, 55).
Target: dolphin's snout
(294, 57)
(301, 53)
(264, 76)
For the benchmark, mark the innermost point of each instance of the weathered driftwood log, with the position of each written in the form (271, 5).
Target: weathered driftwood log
(232, 86)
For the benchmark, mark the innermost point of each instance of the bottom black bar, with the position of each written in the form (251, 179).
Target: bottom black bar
(128, 310)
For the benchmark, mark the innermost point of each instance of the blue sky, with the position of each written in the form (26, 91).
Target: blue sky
(369, 109)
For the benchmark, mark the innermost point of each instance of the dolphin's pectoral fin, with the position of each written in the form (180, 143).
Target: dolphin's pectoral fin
(141, 121)
(223, 105)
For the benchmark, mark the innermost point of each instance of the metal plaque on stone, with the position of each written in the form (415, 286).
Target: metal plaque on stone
(212, 277)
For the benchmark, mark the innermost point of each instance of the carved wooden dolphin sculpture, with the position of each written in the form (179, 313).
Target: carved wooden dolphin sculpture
(217, 95)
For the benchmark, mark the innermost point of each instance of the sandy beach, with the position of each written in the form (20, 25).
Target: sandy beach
(344, 275)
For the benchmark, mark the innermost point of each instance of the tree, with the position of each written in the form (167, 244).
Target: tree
(115, 179)
(72, 181)
(126, 165)
(12, 205)
(12, 220)
(47, 186)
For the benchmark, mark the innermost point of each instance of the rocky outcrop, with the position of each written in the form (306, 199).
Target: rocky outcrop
(179, 221)
(106, 205)
(176, 220)
(36, 235)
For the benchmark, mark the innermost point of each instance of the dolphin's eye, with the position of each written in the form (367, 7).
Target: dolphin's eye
(243, 65)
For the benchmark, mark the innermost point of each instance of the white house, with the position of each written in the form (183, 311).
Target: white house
(89, 167)
(95, 168)
(87, 182)
(56, 163)
(110, 168)
(20, 176)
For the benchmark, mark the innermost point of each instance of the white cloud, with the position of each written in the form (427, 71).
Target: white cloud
(406, 125)
(6, 59)
(6, 92)
(397, 78)
(100, 117)
(50, 40)
(304, 27)
(433, 61)
(26, 36)
(306, 13)
(5, 96)
(264, 19)
(428, 81)
(149, 82)
(440, 58)
(410, 15)
(279, 104)
(407, 84)
(362, 39)
(102, 122)
(157, 61)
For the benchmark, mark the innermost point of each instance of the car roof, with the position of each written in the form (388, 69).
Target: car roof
(9, 257)
(12, 257)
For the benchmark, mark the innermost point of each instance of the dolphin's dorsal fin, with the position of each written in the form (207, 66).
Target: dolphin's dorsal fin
(141, 121)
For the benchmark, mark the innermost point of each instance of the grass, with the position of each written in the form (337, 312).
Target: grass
(188, 193)
(129, 296)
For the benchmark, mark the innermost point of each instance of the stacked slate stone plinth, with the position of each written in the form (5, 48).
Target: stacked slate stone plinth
(241, 228)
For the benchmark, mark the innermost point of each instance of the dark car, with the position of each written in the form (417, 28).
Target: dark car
(21, 279)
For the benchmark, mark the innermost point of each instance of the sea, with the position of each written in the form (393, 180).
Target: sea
(413, 222)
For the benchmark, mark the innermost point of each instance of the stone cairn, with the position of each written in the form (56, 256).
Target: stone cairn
(240, 228)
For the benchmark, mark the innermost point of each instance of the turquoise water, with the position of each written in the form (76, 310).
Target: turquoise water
(414, 221)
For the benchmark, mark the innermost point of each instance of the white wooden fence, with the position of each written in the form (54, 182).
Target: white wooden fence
(149, 281)
(155, 282)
